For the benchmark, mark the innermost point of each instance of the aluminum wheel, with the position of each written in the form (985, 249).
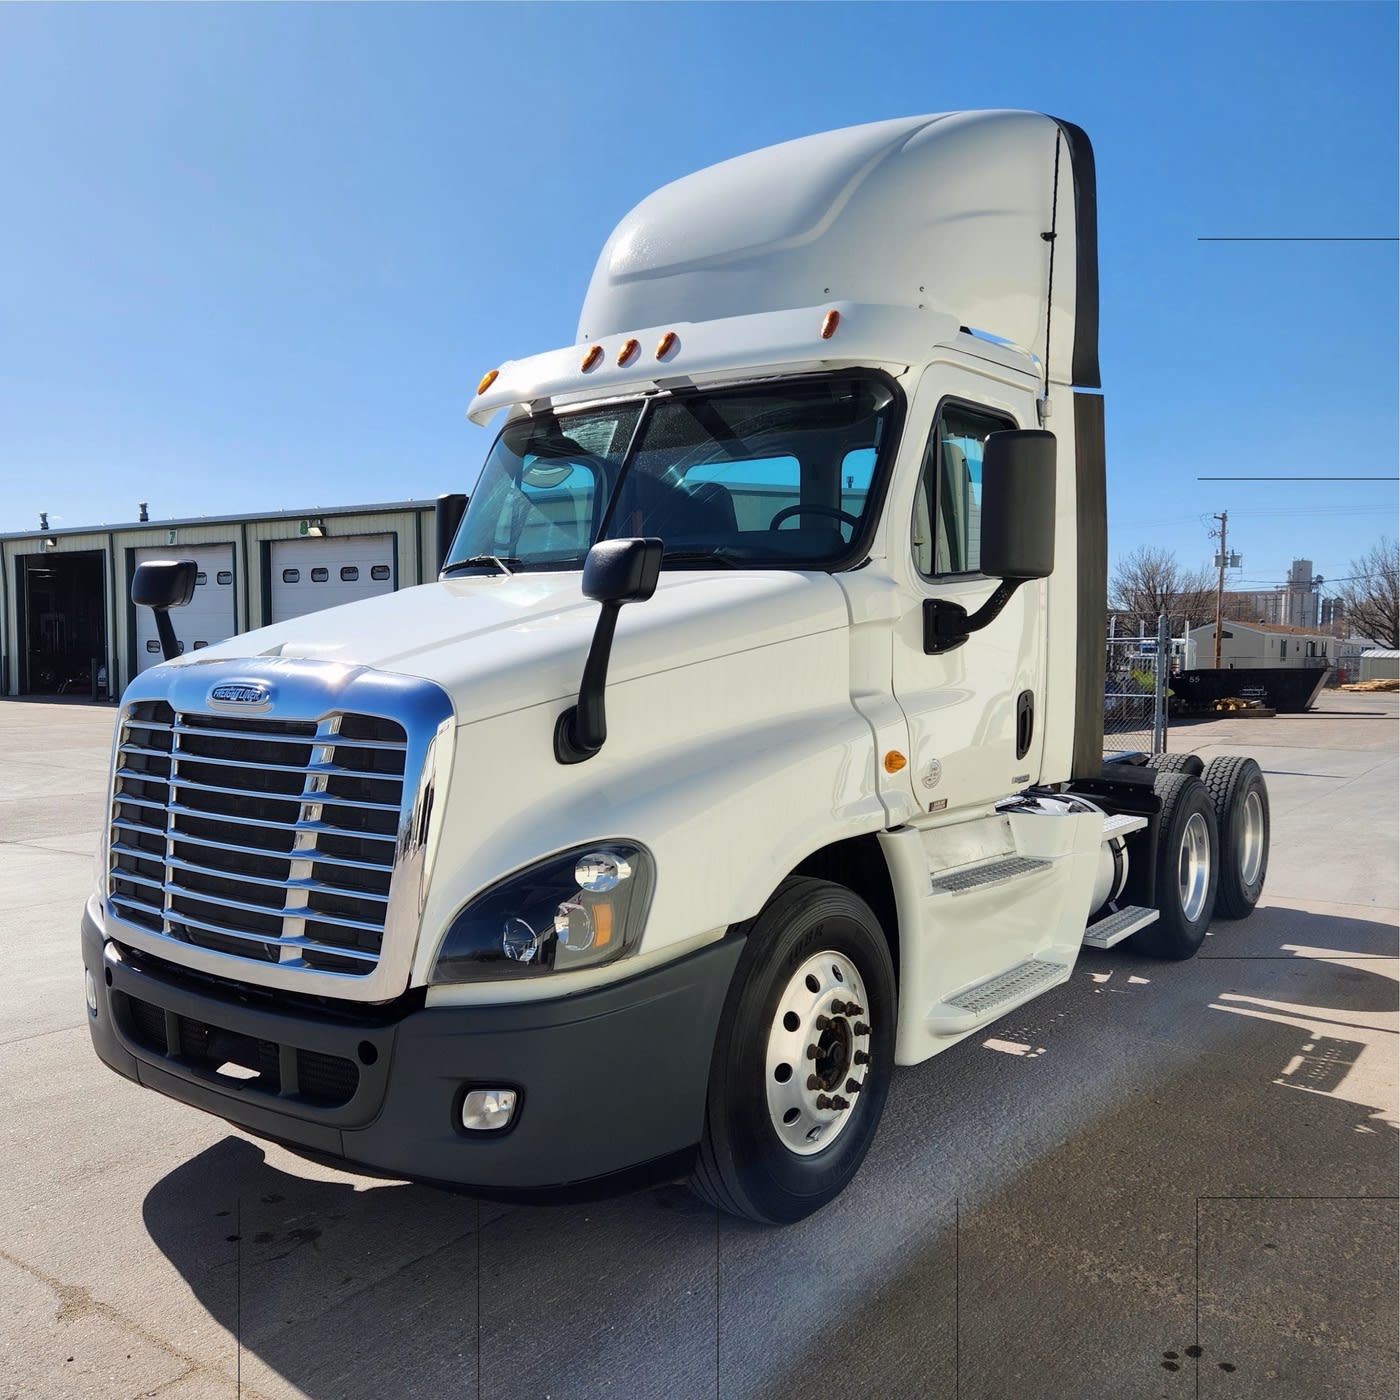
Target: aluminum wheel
(818, 1053)
(1251, 838)
(1193, 866)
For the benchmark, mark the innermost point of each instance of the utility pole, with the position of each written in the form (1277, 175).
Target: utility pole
(1223, 518)
(1222, 559)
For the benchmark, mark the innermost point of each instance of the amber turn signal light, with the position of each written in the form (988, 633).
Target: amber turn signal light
(894, 761)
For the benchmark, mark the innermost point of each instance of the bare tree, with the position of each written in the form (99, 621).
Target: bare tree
(1150, 581)
(1371, 597)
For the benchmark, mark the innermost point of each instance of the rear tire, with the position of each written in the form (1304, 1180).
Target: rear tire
(1177, 763)
(1236, 786)
(775, 1149)
(1187, 869)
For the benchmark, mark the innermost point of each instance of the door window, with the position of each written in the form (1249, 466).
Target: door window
(947, 531)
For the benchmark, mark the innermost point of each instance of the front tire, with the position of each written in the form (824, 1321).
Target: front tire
(1187, 869)
(803, 1057)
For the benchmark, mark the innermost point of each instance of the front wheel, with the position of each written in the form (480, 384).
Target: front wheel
(803, 1057)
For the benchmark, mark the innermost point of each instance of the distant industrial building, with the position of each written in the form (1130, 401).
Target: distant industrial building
(67, 625)
(1296, 603)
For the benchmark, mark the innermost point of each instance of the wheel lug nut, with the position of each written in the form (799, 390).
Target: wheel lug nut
(861, 1058)
(853, 1086)
(812, 1052)
(840, 1104)
(853, 1010)
(822, 1022)
(813, 1082)
(824, 1102)
(860, 1028)
(841, 1008)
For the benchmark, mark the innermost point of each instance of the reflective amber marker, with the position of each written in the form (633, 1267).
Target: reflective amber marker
(665, 345)
(602, 924)
(487, 380)
(629, 349)
(894, 761)
(830, 321)
(595, 353)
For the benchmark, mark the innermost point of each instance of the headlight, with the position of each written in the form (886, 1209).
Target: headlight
(578, 909)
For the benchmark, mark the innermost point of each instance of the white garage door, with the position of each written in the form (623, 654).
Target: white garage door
(208, 618)
(311, 574)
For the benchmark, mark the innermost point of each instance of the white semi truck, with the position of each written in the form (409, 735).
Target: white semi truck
(498, 883)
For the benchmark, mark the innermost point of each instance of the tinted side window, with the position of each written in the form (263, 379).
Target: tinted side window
(947, 533)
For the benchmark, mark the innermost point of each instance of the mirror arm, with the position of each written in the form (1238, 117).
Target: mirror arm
(169, 647)
(583, 728)
(947, 625)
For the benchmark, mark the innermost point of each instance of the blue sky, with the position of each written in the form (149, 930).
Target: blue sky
(258, 256)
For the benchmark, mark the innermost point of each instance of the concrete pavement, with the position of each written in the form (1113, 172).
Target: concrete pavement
(1159, 1180)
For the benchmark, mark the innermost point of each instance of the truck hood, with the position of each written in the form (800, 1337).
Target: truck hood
(497, 644)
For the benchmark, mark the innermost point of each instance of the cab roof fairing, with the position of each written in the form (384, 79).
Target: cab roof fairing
(948, 211)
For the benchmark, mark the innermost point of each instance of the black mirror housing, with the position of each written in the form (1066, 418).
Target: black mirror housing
(622, 571)
(163, 583)
(1018, 504)
(447, 516)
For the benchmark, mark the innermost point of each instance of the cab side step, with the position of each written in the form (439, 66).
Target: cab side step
(1122, 824)
(985, 1001)
(1114, 928)
(992, 872)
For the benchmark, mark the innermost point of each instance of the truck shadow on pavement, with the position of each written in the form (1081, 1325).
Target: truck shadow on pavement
(1175, 1138)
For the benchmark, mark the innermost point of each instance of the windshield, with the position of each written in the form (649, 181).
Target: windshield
(778, 475)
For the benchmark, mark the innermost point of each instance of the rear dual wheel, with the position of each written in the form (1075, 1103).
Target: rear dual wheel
(803, 1058)
(1236, 786)
(1187, 869)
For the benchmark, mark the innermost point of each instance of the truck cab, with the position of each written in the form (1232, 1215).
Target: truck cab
(748, 745)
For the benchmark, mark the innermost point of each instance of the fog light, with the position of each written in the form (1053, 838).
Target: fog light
(484, 1110)
(90, 987)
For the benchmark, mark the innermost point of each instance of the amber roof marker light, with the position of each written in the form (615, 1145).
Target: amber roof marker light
(487, 380)
(830, 321)
(629, 348)
(666, 344)
(595, 353)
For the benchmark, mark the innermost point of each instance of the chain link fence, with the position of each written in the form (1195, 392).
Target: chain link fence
(1137, 672)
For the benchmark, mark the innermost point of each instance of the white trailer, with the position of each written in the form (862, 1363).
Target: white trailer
(748, 745)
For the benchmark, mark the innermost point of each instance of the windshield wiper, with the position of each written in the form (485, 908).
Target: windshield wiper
(478, 561)
(700, 556)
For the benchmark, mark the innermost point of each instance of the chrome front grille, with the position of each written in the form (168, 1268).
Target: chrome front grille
(266, 839)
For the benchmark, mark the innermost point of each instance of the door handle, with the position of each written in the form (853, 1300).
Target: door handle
(1025, 722)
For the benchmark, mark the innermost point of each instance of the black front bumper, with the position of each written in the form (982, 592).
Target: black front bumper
(609, 1079)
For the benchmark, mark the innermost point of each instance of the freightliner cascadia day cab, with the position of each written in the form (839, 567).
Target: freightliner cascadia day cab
(748, 745)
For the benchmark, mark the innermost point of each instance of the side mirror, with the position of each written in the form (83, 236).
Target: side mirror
(1018, 504)
(162, 584)
(622, 571)
(1018, 532)
(615, 572)
(451, 507)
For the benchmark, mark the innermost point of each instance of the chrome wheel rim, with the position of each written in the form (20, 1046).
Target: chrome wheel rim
(1193, 866)
(1251, 838)
(818, 1053)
